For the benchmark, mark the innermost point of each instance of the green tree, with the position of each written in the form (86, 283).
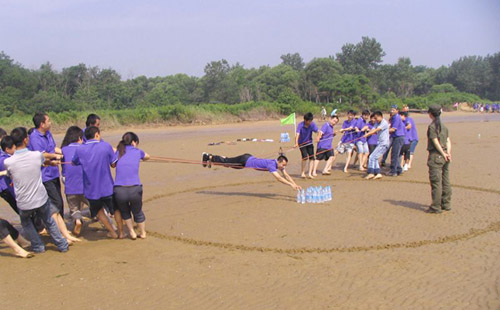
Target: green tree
(362, 58)
(293, 60)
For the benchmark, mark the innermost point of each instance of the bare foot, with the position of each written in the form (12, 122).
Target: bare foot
(73, 239)
(121, 236)
(362, 169)
(24, 254)
(142, 236)
(112, 235)
(314, 174)
(310, 176)
(345, 170)
(133, 235)
(78, 228)
(303, 176)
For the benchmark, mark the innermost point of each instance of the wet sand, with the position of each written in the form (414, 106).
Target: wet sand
(236, 239)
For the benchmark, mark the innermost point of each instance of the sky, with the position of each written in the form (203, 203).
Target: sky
(159, 38)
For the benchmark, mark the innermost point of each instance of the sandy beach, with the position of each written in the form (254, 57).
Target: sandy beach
(236, 239)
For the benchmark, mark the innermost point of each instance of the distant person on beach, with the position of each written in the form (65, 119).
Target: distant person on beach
(10, 236)
(31, 196)
(323, 113)
(249, 161)
(324, 147)
(405, 150)
(128, 186)
(96, 158)
(73, 177)
(304, 141)
(439, 147)
(349, 134)
(381, 129)
(410, 124)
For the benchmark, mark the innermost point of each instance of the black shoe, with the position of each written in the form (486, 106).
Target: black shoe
(390, 174)
(205, 158)
(382, 165)
(433, 211)
(447, 209)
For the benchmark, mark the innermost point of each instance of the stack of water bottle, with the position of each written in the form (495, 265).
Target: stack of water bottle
(314, 194)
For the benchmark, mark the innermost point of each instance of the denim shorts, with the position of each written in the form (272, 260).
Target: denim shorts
(362, 147)
(413, 146)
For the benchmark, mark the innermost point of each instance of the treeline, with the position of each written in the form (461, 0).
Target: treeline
(353, 78)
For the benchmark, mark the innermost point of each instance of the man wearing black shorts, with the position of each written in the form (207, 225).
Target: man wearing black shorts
(304, 141)
(325, 150)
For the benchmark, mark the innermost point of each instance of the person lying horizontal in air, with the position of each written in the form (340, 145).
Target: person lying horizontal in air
(249, 161)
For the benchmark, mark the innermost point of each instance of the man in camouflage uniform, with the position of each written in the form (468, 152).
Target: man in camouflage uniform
(439, 147)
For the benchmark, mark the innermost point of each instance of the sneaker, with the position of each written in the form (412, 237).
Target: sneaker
(433, 211)
(405, 167)
(369, 176)
(390, 174)
(204, 159)
(378, 176)
(446, 209)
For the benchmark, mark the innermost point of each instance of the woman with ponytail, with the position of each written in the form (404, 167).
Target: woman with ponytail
(128, 187)
(439, 147)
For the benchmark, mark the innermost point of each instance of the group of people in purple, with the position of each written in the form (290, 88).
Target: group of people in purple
(369, 135)
(30, 182)
(486, 108)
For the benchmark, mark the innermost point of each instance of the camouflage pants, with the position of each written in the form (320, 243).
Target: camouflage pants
(440, 182)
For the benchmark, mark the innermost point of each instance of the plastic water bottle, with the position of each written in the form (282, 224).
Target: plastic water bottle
(308, 195)
(303, 196)
(316, 195)
(299, 199)
(329, 192)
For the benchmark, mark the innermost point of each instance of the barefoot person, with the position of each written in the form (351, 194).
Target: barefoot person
(96, 158)
(128, 186)
(31, 196)
(381, 128)
(362, 144)
(10, 236)
(349, 135)
(324, 148)
(249, 161)
(304, 141)
(73, 177)
(439, 147)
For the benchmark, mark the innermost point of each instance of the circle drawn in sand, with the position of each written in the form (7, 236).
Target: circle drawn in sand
(252, 217)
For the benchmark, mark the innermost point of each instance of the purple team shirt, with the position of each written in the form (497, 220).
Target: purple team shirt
(127, 167)
(407, 133)
(348, 135)
(373, 139)
(413, 129)
(5, 181)
(44, 143)
(305, 134)
(270, 165)
(327, 137)
(397, 123)
(73, 175)
(360, 124)
(95, 157)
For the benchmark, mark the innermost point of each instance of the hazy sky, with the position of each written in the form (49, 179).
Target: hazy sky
(166, 37)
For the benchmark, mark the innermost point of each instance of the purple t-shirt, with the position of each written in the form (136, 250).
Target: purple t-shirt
(270, 165)
(407, 132)
(127, 167)
(413, 129)
(327, 137)
(44, 143)
(397, 123)
(5, 181)
(305, 134)
(73, 175)
(95, 157)
(373, 139)
(360, 124)
(348, 135)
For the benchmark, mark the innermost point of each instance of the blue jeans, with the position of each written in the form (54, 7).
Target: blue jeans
(373, 166)
(413, 146)
(397, 144)
(29, 229)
